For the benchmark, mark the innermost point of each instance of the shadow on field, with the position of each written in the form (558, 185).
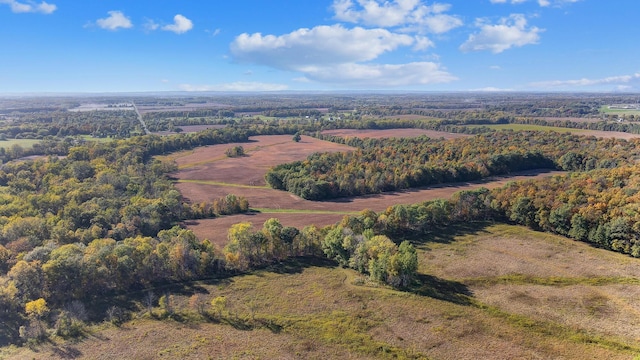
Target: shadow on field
(441, 289)
(298, 264)
(446, 234)
(10, 321)
(65, 352)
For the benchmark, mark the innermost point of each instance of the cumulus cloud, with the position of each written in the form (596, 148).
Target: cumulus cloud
(116, 20)
(410, 15)
(180, 25)
(319, 46)
(334, 54)
(422, 43)
(543, 3)
(611, 80)
(235, 86)
(30, 7)
(509, 32)
(381, 75)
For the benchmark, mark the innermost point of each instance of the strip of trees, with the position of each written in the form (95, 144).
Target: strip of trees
(395, 164)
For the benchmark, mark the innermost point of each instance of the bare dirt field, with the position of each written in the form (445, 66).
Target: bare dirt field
(389, 133)
(262, 152)
(607, 134)
(266, 198)
(276, 199)
(216, 229)
(207, 174)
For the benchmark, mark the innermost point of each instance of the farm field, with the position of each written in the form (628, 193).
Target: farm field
(572, 119)
(104, 251)
(28, 143)
(389, 133)
(294, 211)
(556, 298)
(206, 174)
(25, 143)
(596, 133)
(262, 152)
(607, 110)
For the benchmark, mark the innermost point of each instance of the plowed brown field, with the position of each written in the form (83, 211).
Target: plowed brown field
(206, 174)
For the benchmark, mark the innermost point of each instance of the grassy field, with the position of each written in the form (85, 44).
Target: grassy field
(606, 110)
(484, 292)
(28, 143)
(25, 143)
(526, 127)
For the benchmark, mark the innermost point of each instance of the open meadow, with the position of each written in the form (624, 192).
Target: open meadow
(553, 298)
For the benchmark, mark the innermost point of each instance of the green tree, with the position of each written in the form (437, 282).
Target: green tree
(28, 279)
(523, 211)
(404, 265)
(219, 304)
(332, 246)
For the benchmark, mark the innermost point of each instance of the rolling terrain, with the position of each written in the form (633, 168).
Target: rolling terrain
(553, 298)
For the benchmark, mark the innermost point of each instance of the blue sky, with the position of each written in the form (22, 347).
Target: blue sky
(270, 45)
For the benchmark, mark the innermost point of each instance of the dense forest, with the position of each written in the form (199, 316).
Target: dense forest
(98, 221)
(394, 164)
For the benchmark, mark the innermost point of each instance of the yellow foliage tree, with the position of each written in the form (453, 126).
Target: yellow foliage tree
(36, 308)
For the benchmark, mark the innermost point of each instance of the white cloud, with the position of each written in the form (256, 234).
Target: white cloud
(491, 89)
(422, 43)
(509, 32)
(116, 20)
(410, 15)
(334, 54)
(495, 67)
(507, 1)
(150, 25)
(321, 45)
(611, 80)
(30, 7)
(302, 79)
(623, 88)
(180, 25)
(381, 75)
(542, 3)
(235, 86)
(215, 32)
